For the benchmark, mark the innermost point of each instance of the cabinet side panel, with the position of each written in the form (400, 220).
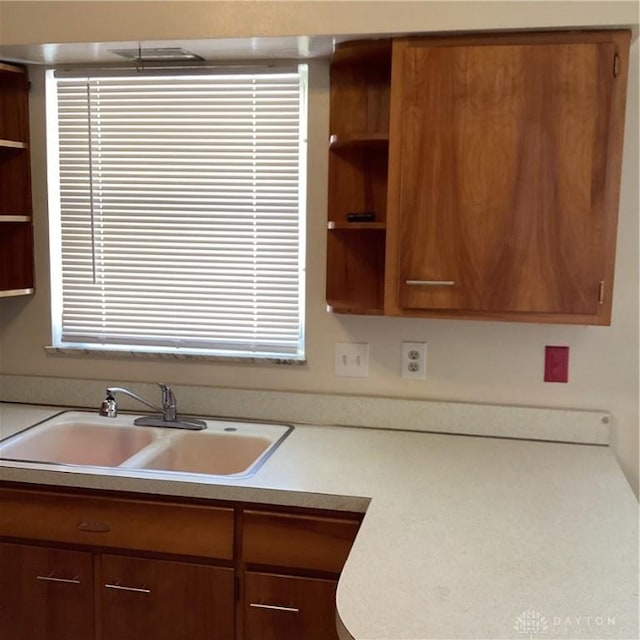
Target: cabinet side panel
(396, 150)
(615, 142)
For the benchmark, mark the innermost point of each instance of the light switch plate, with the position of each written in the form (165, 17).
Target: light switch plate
(352, 359)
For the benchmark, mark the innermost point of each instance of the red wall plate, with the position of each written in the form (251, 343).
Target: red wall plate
(556, 364)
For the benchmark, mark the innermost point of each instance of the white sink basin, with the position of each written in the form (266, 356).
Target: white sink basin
(225, 448)
(77, 443)
(214, 454)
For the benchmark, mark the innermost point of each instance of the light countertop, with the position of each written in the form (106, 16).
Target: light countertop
(463, 537)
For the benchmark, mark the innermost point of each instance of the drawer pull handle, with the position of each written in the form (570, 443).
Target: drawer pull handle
(52, 578)
(120, 587)
(431, 283)
(94, 527)
(274, 607)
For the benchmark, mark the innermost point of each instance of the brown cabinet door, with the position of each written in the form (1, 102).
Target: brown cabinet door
(165, 600)
(288, 608)
(45, 594)
(505, 155)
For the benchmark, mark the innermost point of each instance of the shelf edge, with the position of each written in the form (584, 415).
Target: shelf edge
(10, 293)
(10, 68)
(337, 141)
(352, 309)
(12, 144)
(332, 225)
(12, 218)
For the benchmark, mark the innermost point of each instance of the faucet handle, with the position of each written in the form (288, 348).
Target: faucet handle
(109, 407)
(167, 393)
(168, 402)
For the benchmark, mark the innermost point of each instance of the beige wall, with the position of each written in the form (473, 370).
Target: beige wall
(26, 22)
(469, 361)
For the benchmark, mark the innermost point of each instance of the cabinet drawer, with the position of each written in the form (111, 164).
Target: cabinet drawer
(289, 608)
(117, 522)
(304, 542)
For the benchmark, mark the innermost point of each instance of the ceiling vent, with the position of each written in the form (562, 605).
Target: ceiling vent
(156, 54)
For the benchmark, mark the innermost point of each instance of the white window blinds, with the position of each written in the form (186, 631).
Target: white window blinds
(180, 212)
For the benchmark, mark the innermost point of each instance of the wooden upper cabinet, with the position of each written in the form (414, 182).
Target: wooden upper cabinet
(504, 173)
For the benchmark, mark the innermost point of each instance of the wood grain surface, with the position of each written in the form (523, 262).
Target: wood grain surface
(503, 159)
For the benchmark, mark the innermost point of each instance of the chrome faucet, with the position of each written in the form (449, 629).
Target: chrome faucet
(168, 409)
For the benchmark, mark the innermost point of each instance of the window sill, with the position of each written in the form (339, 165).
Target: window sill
(182, 357)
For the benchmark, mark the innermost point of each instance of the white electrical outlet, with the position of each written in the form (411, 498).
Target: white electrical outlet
(414, 360)
(352, 359)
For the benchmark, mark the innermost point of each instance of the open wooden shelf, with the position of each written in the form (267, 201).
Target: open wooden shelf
(358, 182)
(358, 176)
(15, 183)
(355, 270)
(360, 92)
(16, 224)
(16, 257)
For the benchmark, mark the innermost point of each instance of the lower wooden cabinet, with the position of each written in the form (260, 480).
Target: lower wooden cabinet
(45, 594)
(92, 565)
(278, 607)
(165, 600)
(48, 594)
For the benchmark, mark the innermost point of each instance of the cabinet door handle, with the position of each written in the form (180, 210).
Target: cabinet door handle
(431, 283)
(120, 587)
(274, 607)
(52, 578)
(94, 526)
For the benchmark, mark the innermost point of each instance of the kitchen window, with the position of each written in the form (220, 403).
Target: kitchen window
(177, 211)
